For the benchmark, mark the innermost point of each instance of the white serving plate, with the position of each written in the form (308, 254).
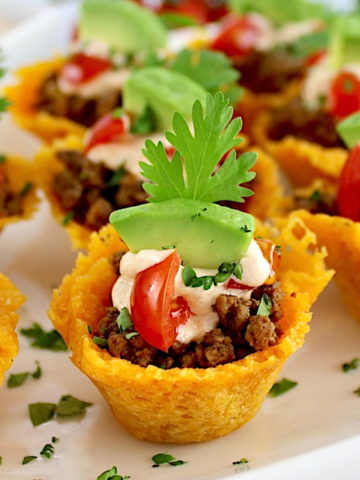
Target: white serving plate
(311, 432)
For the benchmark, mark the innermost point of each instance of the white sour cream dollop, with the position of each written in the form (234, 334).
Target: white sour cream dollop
(256, 270)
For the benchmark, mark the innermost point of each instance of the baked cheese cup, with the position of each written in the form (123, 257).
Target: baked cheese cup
(183, 405)
(10, 300)
(266, 185)
(25, 98)
(341, 237)
(18, 199)
(301, 160)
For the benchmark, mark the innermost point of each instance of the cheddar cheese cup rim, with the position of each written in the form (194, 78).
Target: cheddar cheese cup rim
(24, 95)
(301, 160)
(160, 405)
(10, 300)
(19, 172)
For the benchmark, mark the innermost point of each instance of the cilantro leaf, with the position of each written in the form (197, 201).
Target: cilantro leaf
(242, 461)
(212, 70)
(352, 365)
(28, 459)
(145, 123)
(123, 320)
(165, 458)
(70, 406)
(282, 387)
(265, 306)
(41, 412)
(51, 340)
(199, 154)
(112, 475)
(17, 379)
(47, 451)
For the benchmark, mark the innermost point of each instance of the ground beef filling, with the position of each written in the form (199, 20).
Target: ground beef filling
(297, 120)
(85, 111)
(270, 71)
(239, 332)
(90, 192)
(11, 203)
(317, 202)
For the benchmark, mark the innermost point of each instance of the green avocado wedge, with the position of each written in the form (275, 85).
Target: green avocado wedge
(124, 25)
(349, 130)
(344, 44)
(162, 90)
(204, 234)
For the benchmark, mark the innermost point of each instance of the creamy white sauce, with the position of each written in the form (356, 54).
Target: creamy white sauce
(126, 152)
(318, 81)
(256, 270)
(109, 81)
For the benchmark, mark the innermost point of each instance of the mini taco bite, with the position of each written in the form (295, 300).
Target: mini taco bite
(18, 199)
(185, 323)
(302, 135)
(10, 301)
(63, 96)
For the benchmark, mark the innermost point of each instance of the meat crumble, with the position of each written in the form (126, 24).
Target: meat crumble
(92, 191)
(239, 332)
(85, 111)
(11, 203)
(270, 71)
(296, 119)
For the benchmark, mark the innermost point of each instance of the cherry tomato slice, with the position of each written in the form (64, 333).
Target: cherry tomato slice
(152, 302)
(81, 68)
(345, 95)
(233, 284)
(315, 57)
(109, 128)
(238, 37)
(348, 198)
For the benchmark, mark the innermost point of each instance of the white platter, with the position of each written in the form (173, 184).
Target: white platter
(311, 432)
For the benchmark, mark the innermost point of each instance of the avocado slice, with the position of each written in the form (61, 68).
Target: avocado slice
(124, 25)
(349, 130)
(278, 11)
(344, 45)
(164, 91)
(204, 234)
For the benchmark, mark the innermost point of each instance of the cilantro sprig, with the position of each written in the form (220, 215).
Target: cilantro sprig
(194, 171)
(225, 270)
(212, 70)
(166, 459)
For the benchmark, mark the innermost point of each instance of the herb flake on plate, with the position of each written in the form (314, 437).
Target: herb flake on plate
(352, 365)
(47, 451)
(41, 412)
(70, 406)
(165, 459)
(242, 461)
(51, 340)
(357, 392)
(18, 379)
(28, 459)
(279, 388)
(112, 474)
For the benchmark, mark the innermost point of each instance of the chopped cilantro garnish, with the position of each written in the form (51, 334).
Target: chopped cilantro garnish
(28, 459)
(130, 335)
(282, 387)
(357, 392)
(352, 365)
(112, 474)
(145, 124)
(212, 70)
(101, 342)
(193, 170)
(117, 177)
(225, 270)
(118, 112)
(67, 218)
(47, 451)
(28, 186)
(70, 406)
(316, 196)
(51, 340)
(165, 458)
(265, 306)
(90, 329)
(0, 460)
(124, 320)
(242, 461)
(17, 379)
(55, 439)
(2, 158)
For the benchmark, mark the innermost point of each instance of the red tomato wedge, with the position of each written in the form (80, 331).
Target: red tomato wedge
(81, 68)
(238, 37)
(348, 198)
(108, 129)
(152, 303)
(345, 95)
